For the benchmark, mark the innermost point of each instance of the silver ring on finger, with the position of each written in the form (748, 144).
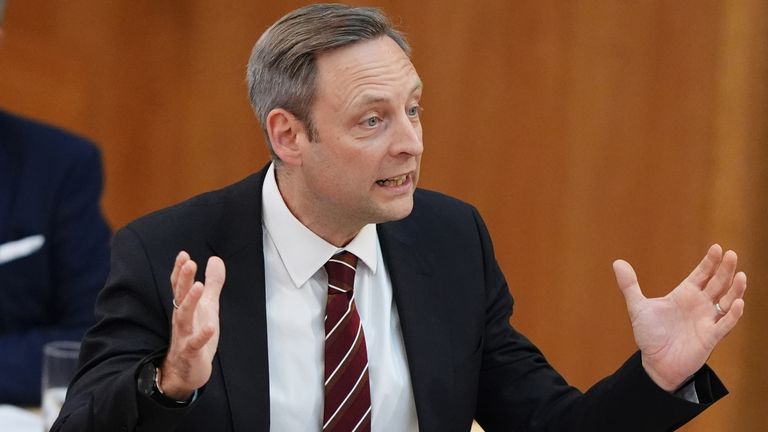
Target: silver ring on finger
(719, 309)
(175, 305)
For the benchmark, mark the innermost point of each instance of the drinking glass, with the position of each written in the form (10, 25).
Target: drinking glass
(59, 367)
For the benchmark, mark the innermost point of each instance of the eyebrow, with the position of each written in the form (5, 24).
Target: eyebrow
(370, 99)
(418, 86)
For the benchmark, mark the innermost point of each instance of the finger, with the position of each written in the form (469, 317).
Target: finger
(627, 281)
(185, 315)
(738, 287)
(181, 258)
(198, 340)
(723, 277)
(185, 281)
(706, 268)
(215, 274)
(729, 320)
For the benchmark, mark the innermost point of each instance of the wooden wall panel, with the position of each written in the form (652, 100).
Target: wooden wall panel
(739, 182)
(584, 131)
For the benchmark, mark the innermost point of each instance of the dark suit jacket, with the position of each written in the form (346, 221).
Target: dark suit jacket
(464, 358)
(50, 184)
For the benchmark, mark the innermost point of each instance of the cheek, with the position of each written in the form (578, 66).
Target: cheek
(361, 163)
(355, 164)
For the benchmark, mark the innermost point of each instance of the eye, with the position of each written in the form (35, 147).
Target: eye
(372, 121)
(414, 111)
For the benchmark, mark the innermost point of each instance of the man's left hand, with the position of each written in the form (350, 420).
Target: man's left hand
(677, 333)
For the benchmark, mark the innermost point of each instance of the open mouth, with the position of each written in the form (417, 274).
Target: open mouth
(393, 181)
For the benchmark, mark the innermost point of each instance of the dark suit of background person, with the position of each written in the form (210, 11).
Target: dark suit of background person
(465, 359)
(50, 185)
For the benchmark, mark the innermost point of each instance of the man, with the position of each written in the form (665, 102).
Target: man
(54, 246)
(424, 307)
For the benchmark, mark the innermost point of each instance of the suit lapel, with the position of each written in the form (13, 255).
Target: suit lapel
(243, 342)
(416, 291)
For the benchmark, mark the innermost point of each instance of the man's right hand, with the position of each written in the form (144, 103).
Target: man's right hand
(195, 328)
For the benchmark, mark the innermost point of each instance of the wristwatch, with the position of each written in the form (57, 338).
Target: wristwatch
(149, 375)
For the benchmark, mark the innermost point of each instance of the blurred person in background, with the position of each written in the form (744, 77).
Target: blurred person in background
(54, 246)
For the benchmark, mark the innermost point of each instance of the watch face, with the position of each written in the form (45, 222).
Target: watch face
(147, 379)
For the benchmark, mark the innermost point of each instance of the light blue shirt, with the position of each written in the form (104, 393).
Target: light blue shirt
(296, 291)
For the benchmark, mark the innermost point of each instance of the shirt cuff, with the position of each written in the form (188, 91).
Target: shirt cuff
(687, 391)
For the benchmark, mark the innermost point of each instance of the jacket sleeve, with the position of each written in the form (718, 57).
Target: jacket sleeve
(519, 390)
(132, 329)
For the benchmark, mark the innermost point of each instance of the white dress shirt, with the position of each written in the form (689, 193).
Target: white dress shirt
(296, 291)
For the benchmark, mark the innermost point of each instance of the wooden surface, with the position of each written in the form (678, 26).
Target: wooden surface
(584, 131)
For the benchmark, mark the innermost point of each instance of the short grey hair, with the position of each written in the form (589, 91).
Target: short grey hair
(282, 71)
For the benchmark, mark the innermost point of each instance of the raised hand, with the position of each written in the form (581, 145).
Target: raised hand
(677, 333)
(195, 328)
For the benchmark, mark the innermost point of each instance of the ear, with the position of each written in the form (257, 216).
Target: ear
(287, 134)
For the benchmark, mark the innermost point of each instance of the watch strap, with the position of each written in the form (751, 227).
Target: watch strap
(149, 384)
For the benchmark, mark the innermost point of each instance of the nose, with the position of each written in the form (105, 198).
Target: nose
(407, 138)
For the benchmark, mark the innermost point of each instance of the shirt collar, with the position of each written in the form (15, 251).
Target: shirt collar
(303, 252)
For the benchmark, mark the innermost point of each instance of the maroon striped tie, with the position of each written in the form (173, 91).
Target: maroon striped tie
(347, 393)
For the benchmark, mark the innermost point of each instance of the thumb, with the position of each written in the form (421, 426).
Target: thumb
(215, 273)
(627, 281)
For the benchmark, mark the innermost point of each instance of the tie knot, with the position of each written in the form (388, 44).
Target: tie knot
(341, 272)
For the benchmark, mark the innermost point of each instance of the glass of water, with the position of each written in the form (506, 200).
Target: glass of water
(59, 367)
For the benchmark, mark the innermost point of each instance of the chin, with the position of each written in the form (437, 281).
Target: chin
(397, 211)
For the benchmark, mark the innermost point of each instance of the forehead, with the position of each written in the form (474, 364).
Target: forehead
(377, 67)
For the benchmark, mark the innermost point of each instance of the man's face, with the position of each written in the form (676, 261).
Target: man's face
(364, 165)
